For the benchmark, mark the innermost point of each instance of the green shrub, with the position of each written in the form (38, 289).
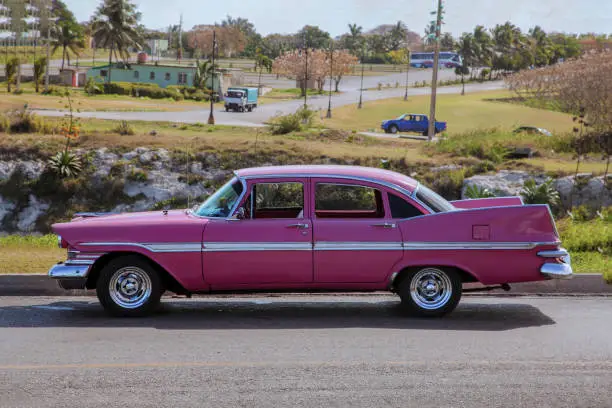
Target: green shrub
(118, 88)
(282, 125)
(138, 175)
(5, 123)
(55, 91)
(92, 87)
(545, 193)
(65, 164)
(474, 191)
(124, 129)
(483, 166)
(170, 204)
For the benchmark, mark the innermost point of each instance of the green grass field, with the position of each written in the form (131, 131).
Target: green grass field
(462, 113)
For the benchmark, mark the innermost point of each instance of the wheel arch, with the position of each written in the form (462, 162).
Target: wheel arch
(169, 282)
(401, 274)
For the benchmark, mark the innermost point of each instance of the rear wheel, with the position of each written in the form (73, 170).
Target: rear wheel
(430, 292)
(129, 286)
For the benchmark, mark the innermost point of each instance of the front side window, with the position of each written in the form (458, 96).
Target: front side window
(220, 204)
(347, 201)
(432, 200)
(277, 200)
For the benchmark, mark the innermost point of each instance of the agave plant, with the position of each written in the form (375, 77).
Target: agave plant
(545, 193)
(65, 164)
(474, 191)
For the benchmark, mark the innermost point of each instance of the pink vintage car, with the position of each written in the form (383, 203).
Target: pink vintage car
(311, 228)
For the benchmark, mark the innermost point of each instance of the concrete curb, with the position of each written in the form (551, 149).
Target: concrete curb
(580, 285)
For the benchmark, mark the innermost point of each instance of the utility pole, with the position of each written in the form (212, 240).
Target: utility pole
(360, 105)
(211, 117)
(179, 52)
(434, 77)
(306, 73)
(407, 71)
(331, 77)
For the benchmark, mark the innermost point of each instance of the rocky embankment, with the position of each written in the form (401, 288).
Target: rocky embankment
(31, 197)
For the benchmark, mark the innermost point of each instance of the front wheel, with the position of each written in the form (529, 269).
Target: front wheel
(129, 286)
(393, 129)
(430, 292)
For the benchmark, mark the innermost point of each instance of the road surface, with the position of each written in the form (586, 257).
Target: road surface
(309, 351)
(265, 112)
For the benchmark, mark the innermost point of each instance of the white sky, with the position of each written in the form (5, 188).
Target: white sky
(288, 16)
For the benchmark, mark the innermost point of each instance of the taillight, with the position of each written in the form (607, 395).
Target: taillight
(61, 242)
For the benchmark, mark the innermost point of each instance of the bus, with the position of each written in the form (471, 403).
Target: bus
(448, 59)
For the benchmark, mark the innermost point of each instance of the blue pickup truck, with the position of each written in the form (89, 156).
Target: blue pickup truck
(411, 122)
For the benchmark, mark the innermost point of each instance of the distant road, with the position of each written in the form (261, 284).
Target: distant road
(265, 112)
(307, 351)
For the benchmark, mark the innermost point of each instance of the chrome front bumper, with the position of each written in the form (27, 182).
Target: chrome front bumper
(70, 270)
(555, 270)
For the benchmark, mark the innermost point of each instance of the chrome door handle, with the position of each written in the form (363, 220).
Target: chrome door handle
(301, 226)
(385, 225)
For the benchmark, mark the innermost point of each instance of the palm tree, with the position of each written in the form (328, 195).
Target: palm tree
(483, 46)
(397, 36)
(355, 38)
(430, 34)
(68, 37)
(541, 46)
(466, 47)
(40, 64)
(115, 27)
(203, 72)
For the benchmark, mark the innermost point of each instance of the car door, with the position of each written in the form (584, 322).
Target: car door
(270, 247)
(420, 124)
(355, 239)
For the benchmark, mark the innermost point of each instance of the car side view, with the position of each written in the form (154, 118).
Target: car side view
(312, 228)
(411, 122)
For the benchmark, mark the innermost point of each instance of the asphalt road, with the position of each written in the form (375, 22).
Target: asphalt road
(265, 112)
(317, 351)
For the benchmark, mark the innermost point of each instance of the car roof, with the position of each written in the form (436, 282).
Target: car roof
(357, 172)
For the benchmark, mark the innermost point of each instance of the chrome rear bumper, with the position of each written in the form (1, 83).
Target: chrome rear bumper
(555, 270)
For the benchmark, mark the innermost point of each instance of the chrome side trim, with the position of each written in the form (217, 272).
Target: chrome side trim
(65, 271)
(154, 247)
(256, 246)
(558, 253)
(358, 246)
(419, 246)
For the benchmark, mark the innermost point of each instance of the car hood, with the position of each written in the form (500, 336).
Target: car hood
(152, 226)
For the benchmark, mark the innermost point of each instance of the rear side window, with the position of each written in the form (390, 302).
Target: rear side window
(401, 208)
(347, 201)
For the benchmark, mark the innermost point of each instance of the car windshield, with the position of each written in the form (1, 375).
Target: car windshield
(400, 117)
(432, 200)
(220, 204)
(234, 94)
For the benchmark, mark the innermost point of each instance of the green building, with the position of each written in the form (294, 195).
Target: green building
(162, 75)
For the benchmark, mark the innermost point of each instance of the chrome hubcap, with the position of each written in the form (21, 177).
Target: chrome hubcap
(431, 288)
(130, 287)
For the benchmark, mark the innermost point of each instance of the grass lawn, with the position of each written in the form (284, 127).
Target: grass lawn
(91, 103)
(462, 113)
(288, 94)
